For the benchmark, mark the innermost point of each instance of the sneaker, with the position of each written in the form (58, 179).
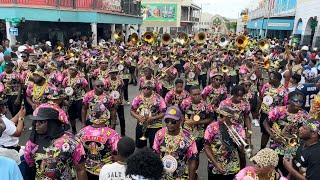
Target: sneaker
(127, 102)
(30, 128)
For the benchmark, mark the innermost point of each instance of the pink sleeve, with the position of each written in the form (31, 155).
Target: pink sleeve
(29, 152)
(186, 66)
(29, 90)
(286, 98)
(78, 153)
(209, 133)
(114, 141)
(162, 105)
(192, 150)
(243, 172)
(158, 87)
(263, 89)
(135, 103)
(168, 97)
(64, 82)
(206, 91)
(111, 102)
(158, 140)
(87, 97)
(84, 82)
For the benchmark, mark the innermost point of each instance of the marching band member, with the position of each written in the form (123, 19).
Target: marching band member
(35, 91)
(11, 80)
(148, 76)
(196, 117)
(176, 95)
(167, 76)
(75, 87)
(221, 150)
(52, 152)
(283, 124)
(192, 70)
(216, 91)
(114, 85)
(124, 62)
(148, 108)
(272, 94)
(94, 97)
(176, 148)
(99, 140)
(102, 71)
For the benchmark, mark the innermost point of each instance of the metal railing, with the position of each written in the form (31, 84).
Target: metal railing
(131, 7)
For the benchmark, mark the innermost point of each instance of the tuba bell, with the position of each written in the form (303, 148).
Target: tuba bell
(182, 38)
(225, 69)
(118, 36)
(200, 37)
(224, 41)
(263, 45)
(166, 39)
(148, 37)
(242, 42)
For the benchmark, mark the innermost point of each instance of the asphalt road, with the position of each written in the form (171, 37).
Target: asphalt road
(130, 131)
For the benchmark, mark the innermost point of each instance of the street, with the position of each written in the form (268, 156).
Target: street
(130, 131)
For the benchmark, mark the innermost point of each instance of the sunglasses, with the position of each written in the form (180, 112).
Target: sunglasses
(218, 79)
(168, 121)
(23, 56)
(99, 86)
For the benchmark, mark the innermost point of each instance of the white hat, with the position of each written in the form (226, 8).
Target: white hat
(70, 41)
(305, 48)
(22, 48)
(315, 49)
(48, 43)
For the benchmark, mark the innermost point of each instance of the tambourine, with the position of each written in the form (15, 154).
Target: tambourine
(120, 67)
(170, 164)
(268, 100)
(69, 91)
(115, 94)
(253, 77)
(191, 75)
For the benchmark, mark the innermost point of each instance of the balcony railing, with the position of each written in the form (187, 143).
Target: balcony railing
(131, 7)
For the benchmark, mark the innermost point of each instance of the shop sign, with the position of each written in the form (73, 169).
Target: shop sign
(278, 24)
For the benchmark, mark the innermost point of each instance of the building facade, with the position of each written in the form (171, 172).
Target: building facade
(272, 18)
(214, 24)
(39, 20)
(306, 24)
(170, 16)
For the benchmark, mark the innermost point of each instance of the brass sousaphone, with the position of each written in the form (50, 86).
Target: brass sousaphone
(118, 36)
(263, 45)
(134, 38)
(200, 37)
(224, 41)
(166, 39)
(242, 42)
(148, 37)
(182, 39)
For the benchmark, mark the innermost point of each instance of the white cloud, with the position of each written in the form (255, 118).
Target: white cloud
(226, 8)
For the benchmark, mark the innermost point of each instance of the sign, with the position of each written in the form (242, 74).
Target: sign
(284, 6)
(159, 12)
(278, 24)
(111, 5)
(245, 18)
(13, 31)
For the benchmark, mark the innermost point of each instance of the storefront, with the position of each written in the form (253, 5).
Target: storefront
(275, 27)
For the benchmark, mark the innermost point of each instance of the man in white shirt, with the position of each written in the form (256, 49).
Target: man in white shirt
(1, 54)
(117, 170)
(10, 136)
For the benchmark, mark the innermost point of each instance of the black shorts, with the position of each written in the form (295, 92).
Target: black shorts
(200, 144)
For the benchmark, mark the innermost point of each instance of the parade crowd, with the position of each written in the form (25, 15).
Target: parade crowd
(200, 93)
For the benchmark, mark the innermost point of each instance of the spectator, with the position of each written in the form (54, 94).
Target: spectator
(144, 165)
(117, 170)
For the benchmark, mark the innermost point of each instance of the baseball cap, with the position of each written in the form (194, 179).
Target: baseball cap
(173, 112)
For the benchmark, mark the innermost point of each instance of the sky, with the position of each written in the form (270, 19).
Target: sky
(226, 8)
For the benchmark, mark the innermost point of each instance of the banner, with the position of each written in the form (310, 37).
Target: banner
(285, 6)
(159, 12)
(111, 5)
